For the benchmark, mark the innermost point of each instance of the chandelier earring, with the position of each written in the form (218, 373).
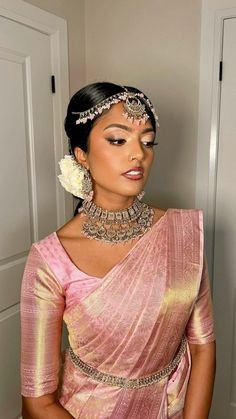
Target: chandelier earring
(75, 178)
(87, 185)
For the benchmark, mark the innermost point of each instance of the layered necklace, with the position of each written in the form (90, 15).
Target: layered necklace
(116, 226)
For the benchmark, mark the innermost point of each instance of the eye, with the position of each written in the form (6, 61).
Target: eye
(116, 141)
(149, 144)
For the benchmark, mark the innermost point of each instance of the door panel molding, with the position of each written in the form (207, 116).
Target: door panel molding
(233, 361)
(212, 196)
(10, 312)
(24, 60)
(208, 121)
(56, 28)
(10, 291)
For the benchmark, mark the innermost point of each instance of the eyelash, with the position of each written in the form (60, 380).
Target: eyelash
(120, 141)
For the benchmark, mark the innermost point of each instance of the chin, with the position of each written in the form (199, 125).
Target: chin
(133, 191)
(130, 194)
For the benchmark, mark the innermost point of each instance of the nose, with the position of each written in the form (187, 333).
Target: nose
(136, 151)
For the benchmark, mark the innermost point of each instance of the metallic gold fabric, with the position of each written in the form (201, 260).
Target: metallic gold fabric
(129, 323)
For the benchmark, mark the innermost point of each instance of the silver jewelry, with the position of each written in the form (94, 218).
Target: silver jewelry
(116, 226)
(87, 185)
(141, 195)
(124, 382)
(134, 108)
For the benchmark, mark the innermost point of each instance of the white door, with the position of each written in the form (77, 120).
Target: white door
(28, 209)
(224, 288)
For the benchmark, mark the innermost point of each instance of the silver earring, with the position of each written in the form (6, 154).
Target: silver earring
(87, 185)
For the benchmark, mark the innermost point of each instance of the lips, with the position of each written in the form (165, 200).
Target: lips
(135, 173)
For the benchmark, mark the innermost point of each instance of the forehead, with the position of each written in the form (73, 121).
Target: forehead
(115, 116)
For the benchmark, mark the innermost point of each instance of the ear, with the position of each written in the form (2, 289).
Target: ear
(81, 157)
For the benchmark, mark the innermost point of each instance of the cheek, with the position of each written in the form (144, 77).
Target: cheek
(104, 165)
(103, 153)
(149, 159)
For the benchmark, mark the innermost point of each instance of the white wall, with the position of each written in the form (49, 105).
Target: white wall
(73, 12)
(154, 45)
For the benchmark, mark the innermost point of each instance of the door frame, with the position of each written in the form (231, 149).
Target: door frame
(208, 121)
(56, 28)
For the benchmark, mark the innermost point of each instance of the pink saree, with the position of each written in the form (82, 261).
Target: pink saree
(129, 323)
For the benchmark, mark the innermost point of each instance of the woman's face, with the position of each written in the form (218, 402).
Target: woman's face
(120, 154)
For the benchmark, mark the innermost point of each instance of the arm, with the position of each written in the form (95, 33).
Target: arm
(201, 381)
(42, 307)
(200, 334)
(44, 407)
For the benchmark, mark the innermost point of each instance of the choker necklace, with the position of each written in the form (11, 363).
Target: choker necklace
(116, 226)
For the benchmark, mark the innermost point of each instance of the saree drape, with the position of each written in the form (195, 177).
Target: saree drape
(129, 323)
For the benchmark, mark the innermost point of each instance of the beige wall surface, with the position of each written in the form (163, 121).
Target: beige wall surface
(219, 4)
(155, 46)
(73, 12)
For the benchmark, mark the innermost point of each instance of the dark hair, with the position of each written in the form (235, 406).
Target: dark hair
(86, 98)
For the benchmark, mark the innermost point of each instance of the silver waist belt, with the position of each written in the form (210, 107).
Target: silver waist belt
(132, 383)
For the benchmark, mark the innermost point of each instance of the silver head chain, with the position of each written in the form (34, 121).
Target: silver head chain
(134, 109)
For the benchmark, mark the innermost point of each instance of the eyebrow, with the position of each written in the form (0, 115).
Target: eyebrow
(124, 127)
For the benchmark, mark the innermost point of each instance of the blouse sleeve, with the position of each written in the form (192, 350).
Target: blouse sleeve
(42, 307)
(200, 327)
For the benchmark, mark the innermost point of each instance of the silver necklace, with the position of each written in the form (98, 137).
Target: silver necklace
(116, 226)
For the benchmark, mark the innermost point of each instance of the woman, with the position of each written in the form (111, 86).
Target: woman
(130, 281)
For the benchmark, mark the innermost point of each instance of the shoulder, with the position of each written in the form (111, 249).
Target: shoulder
(44, 245)
(158, 213)
(180, 215)
(184, 211)
(47, 255)
(42, 253)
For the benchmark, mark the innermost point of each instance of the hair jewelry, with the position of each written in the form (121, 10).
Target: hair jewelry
(75, 178)
(116, 226)
(134, 108)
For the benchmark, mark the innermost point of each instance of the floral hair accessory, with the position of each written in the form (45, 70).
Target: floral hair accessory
(134, 108)
(75, 178)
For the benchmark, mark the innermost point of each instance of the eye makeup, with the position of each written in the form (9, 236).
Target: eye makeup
(121, 141)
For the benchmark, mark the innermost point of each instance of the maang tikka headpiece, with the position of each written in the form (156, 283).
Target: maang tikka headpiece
(134, 109)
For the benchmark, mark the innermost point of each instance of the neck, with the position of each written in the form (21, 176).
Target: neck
(113, 202)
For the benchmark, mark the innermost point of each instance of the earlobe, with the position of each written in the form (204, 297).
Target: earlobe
(81, 157)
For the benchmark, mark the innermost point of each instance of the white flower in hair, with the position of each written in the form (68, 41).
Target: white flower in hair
(72, 176)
